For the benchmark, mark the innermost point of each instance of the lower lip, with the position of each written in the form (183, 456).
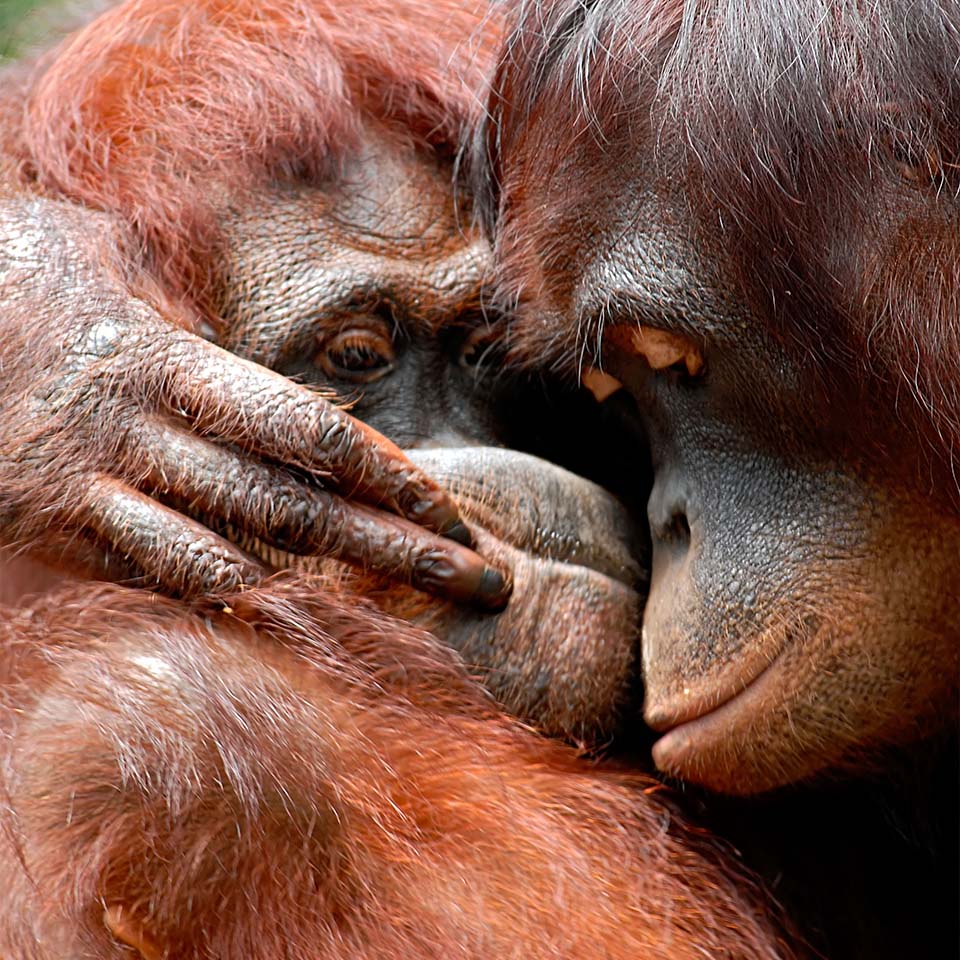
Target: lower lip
(690, 740)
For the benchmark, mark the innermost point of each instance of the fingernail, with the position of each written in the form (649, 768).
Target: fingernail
(459, 533)
(460, 577)
(493, 590)
(435, 511)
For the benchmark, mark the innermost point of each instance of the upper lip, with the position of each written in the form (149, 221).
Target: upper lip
(721, 691)
(539, 508)
(743, 674)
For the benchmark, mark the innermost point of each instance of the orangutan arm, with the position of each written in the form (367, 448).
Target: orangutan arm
(306, 778)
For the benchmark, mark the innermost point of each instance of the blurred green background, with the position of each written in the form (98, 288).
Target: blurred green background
(27, 22)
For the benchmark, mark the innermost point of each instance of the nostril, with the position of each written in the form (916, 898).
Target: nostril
(672, 529)
(668, 511)
(679, 527)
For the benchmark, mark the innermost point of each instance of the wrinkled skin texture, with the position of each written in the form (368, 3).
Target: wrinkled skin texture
(378, 254)
(127, 439)
(287, 772)
(562, 654)
(123, 398)
(781, 301)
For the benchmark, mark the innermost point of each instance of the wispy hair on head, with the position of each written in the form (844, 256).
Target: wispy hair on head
(164, 112)
(782, 118)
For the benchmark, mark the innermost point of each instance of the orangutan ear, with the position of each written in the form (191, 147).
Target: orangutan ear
(662, 349)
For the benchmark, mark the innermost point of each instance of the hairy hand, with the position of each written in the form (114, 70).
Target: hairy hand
(120, 428)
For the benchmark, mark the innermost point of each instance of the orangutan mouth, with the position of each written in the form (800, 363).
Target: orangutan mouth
(709, 717)
(540, 509)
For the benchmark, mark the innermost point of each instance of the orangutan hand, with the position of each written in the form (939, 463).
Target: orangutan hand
(119, 427)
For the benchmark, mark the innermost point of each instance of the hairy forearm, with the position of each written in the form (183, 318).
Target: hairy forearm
(57, 253)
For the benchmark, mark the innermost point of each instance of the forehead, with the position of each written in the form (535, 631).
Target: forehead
(387, 227)
(758, 108)
(386, 196)
(589, 216)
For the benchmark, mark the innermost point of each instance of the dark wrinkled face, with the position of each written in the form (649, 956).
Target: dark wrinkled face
(805, 581)
(368, 289)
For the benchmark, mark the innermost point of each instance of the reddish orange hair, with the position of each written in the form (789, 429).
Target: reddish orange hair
(304, 778)
(161, 111)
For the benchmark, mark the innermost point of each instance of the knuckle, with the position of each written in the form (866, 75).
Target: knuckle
(328, 534)
(201, 565)
(290, 518)
(335, 436)
(101, 338)
(397, 556)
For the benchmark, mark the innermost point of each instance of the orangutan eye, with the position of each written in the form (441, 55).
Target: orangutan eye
(661, 349)
(478, 346)
(357, 355)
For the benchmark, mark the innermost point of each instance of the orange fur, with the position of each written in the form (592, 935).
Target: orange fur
(303, 777)
(163, 112)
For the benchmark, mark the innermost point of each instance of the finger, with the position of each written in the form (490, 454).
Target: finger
(182, 555)
(233, 399)
(402, 550)
(268, 503)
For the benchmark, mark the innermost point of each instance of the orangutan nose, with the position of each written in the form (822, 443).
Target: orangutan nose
(669, 515)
